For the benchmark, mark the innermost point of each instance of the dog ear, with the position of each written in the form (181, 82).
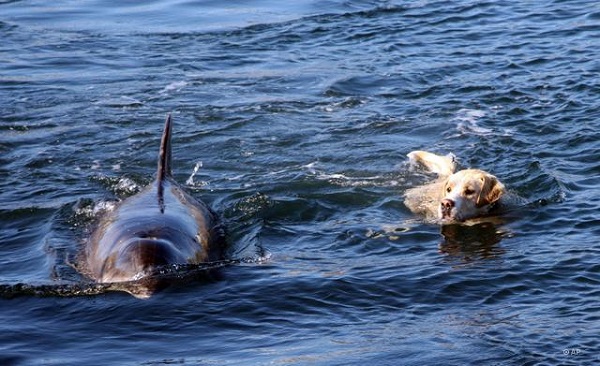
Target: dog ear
(491, 191)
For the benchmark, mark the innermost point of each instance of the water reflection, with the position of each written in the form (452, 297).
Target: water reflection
(471, 242)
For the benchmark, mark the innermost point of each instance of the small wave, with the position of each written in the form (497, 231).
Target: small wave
(85, 211)
(345, 180)
(346, 103)
(120, 102)
(50, 290)
(175, 86)
(142, 287)
(467, 123)
(120, 186)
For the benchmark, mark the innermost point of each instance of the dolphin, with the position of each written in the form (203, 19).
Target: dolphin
(160, 226)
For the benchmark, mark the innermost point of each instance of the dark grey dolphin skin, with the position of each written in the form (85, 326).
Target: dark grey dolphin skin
(161, 225)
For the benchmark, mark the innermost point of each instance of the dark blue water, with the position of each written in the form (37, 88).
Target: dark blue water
(293, 122)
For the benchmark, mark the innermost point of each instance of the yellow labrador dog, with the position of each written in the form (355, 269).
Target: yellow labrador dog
(454, 196)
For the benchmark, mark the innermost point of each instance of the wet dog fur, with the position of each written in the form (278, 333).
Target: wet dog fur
(454, 196)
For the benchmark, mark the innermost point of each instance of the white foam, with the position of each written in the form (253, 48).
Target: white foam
(190, 180)
(91, 211)
(95, 165)
(344, 180)
(174, 86)
(103, 206)
(468, 123)
(127, 186)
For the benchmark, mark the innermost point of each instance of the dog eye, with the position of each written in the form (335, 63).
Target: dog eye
(448, 189)
(469, 191)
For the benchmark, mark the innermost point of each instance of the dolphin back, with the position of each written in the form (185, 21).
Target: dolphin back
(143, 233)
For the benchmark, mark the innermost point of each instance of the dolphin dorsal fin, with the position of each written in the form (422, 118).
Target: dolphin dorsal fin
(164, 154)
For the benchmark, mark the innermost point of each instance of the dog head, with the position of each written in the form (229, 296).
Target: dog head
(468, 194)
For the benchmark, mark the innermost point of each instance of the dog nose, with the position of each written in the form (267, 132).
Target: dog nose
(447, 204)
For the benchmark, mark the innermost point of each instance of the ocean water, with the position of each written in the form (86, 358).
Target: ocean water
(293, 121)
